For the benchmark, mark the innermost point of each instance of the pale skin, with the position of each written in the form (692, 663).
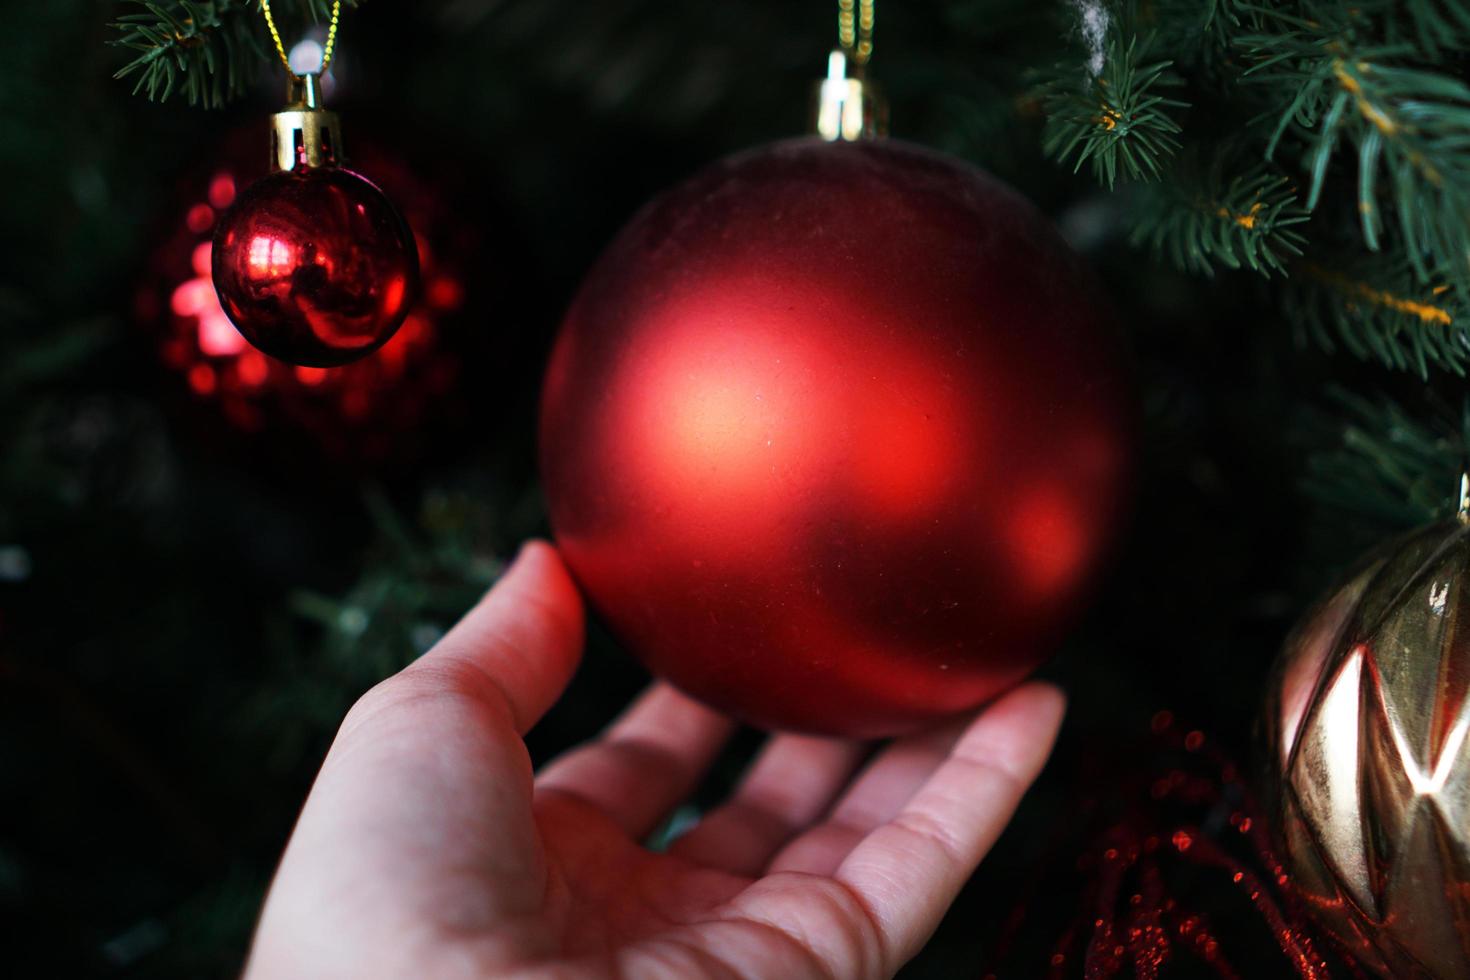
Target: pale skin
(429, 848)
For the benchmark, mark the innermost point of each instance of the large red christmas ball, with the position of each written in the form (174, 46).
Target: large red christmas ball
(314, 266)
(833, 435)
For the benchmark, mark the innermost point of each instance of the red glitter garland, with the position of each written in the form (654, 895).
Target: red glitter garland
(1132, 917)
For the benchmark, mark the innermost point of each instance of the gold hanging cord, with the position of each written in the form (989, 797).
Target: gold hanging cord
(855, 29)
(270, 22)
(846, 106)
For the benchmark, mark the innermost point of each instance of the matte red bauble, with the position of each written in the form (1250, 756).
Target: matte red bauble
(833, 435)
(314, 266)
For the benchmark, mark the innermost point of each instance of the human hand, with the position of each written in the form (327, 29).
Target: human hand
(427, 848)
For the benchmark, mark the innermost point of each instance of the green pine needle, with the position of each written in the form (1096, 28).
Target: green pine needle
(1434, 27)
(208, 51)
(1201, 220)
(1117, 121)
(1409, 125)
(1385, 466)
(1377, 309)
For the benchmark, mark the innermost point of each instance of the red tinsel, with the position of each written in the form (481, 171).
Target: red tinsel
(1189, 816)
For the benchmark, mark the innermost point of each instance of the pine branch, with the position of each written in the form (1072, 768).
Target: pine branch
(1115, 120)
(1200, 31)
(1416, 126)
(209, 51)
(1200, 220)
(419, 577)
(1378, 310)
(1385, 466)
(1410, 126)
(1435, 27)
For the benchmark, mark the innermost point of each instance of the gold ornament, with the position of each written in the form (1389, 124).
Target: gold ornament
(1366, 720)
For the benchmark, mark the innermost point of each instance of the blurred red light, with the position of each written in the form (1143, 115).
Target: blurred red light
(200, 259)
(201, 379)
(445, 293)
(200, 218)
(253, 368)
(222, 191)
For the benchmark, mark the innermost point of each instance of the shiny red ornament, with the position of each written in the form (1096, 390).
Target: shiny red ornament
(833, 435)
(386, 410)
(314, 266)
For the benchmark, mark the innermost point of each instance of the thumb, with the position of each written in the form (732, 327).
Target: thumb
(520, 644)
(425, 795)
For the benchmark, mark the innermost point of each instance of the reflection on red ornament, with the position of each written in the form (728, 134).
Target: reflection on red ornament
(364, 410)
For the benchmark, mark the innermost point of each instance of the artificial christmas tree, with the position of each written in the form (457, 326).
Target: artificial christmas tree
(1273, 197)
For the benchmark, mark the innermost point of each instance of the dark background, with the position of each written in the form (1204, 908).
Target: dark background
(187, 605)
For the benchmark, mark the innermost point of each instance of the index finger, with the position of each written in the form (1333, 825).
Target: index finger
(908, 871)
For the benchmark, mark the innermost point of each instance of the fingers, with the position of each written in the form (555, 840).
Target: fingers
(908, 871)
(790, 785)
(521, 643)
(874, 798)
(645, 763)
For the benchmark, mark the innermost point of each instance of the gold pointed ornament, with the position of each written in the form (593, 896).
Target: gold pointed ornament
(1366, 722)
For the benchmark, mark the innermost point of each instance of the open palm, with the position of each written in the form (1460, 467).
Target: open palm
(428, 848)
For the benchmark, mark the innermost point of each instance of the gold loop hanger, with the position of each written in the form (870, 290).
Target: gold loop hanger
(327, 49)
(846, 105)
(855, 29)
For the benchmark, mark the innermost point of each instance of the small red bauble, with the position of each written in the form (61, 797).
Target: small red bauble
(314, 266)
(384, 410)
(833, 435)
